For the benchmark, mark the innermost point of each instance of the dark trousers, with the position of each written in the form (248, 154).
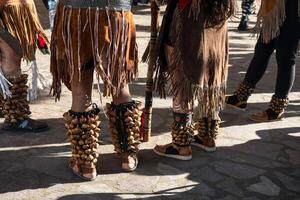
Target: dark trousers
(247, 7)
(286, 45)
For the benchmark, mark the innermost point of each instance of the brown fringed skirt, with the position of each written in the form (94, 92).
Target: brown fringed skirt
(198, 60)
(20, 19)
(105, 38)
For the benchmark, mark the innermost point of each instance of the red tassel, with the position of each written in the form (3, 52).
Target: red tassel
(42, 45)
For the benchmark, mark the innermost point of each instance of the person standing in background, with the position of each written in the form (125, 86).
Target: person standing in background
(278, 22)
(19, 39)
(247, 9)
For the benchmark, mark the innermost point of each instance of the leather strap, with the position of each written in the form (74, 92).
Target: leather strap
(117, 5)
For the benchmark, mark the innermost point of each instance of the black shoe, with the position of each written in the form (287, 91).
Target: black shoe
(234, 102)
(27, 125)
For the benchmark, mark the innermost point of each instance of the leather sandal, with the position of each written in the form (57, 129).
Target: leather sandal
(268, 115)
(275, 111)
(85, 172)
(129, 162)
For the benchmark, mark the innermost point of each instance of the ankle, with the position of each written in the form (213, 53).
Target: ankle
(121, 100)
(244, 91)
(278, 104)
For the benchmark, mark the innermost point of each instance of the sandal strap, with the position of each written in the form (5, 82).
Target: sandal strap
(278, 105)
(82, 168)
(87, 169)
(124, 126)
(271, 114)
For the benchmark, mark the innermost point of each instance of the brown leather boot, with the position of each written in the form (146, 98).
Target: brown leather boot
(182, 136)
(207, 133)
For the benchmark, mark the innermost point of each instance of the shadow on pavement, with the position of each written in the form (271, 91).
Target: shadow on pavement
(229, 171)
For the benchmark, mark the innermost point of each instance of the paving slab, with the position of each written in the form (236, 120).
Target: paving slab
(230, 186)
(235, 170)
(265, 187)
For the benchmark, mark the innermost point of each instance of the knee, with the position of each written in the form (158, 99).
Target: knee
(8, 53)
(10, 61)
(285, 61)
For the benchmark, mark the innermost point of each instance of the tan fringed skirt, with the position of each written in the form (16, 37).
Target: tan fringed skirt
(105, 38)
(20, 19)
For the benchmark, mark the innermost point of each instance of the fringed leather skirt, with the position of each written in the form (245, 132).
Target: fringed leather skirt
(193, 58)
(98, 33)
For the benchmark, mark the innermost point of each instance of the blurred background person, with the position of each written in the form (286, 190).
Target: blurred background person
(248, 7)
(279, 26)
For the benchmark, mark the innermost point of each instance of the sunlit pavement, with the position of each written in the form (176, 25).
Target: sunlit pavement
(253, 160)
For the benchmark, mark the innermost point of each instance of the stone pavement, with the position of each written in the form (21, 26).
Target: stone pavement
(253, 161)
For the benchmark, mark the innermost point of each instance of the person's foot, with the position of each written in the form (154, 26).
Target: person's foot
(275, 111)
(234, 102)
(129, 162)
(243, 26)
(85, 172)
(29, 125)
(240, 96)
(124, 126)
(268, 115)
(206, 143)
(173, 151)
